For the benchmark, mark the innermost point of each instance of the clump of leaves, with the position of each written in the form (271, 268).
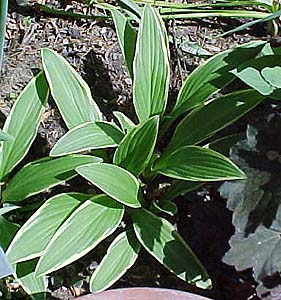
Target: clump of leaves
(70, 225)
(256, 201)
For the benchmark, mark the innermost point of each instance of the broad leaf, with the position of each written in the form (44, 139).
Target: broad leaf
(22, 123)
(33, 285)
(212, 76)
(262, 74)
(85, 228)
(126, 123)
(5, 137)
(136, 149)
(197, 164)
(204, 122)
(70, 92)
(127, 37)
(33, 237)
(7, 232)
(88, 136)
(162, 241)
(151, 67)
(44, 173)
(120, 256)
(116, 182)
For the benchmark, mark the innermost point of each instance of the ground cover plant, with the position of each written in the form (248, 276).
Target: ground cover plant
(129, 180)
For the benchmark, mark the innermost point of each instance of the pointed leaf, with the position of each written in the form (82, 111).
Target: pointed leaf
(212, 76)
(220, 113)
(162, 241)
(151, 67)
(7, 232)
(198, 164)
(127, 37)
(116, 182)
(35, 286)
(86, 227)
(131, 6)
(44, 173)
(120, 256)
(33, 237)
(88, 136)
(136, 149)
(22, 123)
(69, 90)
(125, 122)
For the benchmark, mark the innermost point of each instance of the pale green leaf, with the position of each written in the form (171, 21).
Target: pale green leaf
(116, 182)
(126, 123)
(44, 173)
(86, 227)
(120, 256)
(22, 123)
(194, 163)
(162, 241)
(205, 121)
(5, 137)
(70, 92)
(136, 149)
(151, 67)
(212, 76)
(88, 136)
(33, 237)
(7, 208)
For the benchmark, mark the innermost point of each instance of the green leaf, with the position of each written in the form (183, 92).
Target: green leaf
(167, 207)
(34, 236)
(7, 208)
(162, 241)
(7, 232)
(262, 74)
(88, 136)
(131, 6)
(126, 123)
(198, 164)
(151, 67)
(136, 149)
(44, 173)
(70, 92)
(22, 123)
(85, 228)
(3, 18)
(212, 76)
(116, 182)
(179, 187)
(127, 37)
(5, 137)
(35, 286)
(120, 256)
(205, 121)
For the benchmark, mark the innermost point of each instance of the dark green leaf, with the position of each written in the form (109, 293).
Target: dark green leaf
(7, 232)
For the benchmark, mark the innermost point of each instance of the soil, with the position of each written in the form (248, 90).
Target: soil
(92, 48)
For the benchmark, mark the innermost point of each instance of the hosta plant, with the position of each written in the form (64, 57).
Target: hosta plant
(141, 161)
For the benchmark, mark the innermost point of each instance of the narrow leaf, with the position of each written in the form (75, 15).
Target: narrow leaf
(136, 149)
(70, 92)
(127, 37)
(162, 241)
(120, 256)
(212, 76)
(7, 232)
(151, 67)
(3, 19)
(88, 136)
(204, 122)
(86, 227)
(198, 164)
(131, 6)
(116, 182)
(33, 237)
(22, 123)
(125, 122)
(44, 173)
(5, 137)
